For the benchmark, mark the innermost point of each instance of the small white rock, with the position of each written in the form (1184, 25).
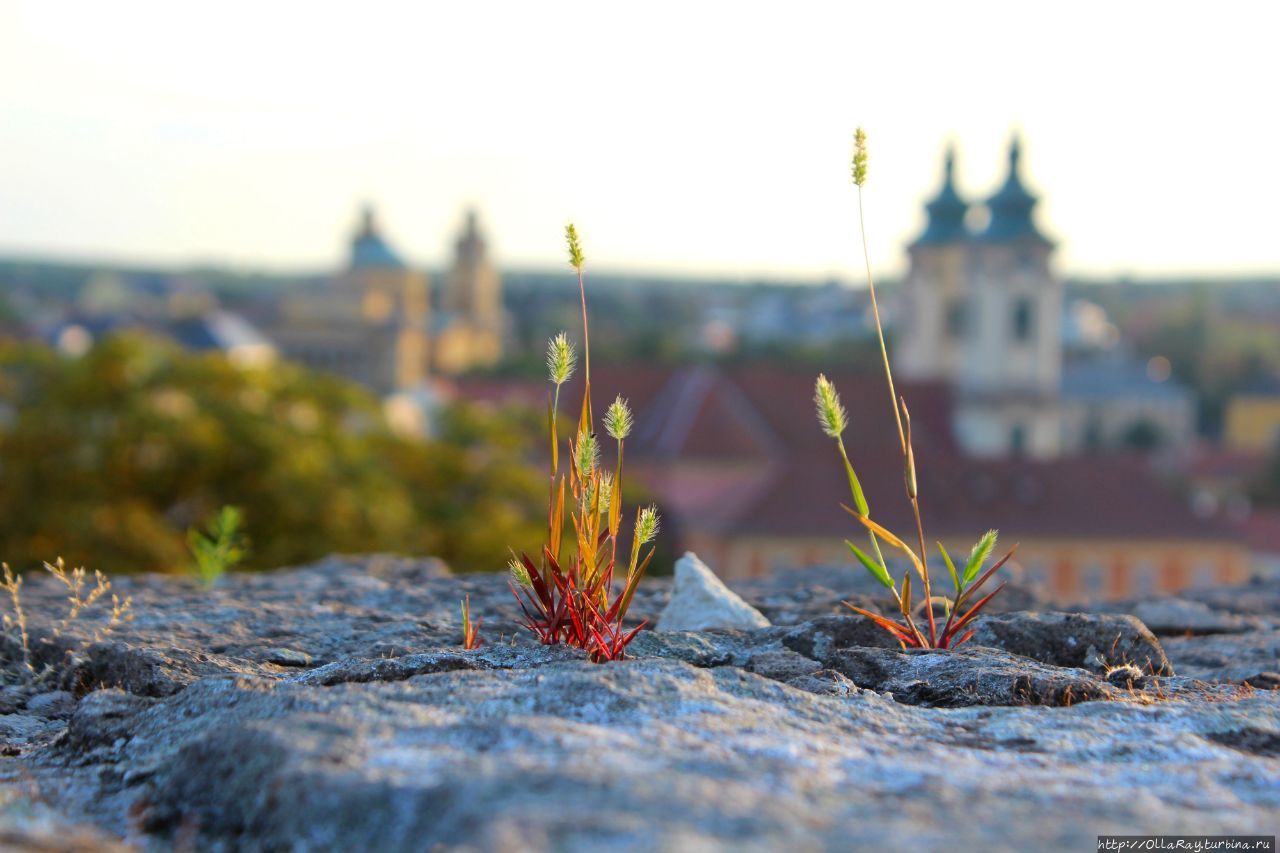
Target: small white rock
(701, 600)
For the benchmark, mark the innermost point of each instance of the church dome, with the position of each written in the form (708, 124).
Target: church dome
(1012, 208)
(946, 211)
(369, 250)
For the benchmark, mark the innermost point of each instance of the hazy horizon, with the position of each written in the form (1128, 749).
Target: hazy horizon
(707, 141)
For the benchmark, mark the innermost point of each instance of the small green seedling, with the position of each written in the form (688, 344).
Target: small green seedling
(470, 630)
(221, 547)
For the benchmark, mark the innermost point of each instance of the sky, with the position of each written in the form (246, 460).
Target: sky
(696, 138)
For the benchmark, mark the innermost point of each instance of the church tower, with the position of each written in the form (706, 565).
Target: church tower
(1010, 376)
(395, 312)
(474, 288)
(473, 324)
(982, 311)
(933, 304)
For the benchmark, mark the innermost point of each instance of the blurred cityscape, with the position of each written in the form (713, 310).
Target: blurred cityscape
(1126, 433)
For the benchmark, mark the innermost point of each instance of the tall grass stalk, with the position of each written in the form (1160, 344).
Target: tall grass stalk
(833, 419)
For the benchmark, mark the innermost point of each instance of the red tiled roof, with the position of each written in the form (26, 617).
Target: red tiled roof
(738, 451)
(1207, 462)
(1083, 497)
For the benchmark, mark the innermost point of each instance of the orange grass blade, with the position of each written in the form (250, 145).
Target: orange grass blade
(624, 601)
(557, 526)
(888, 537)
(887, 624)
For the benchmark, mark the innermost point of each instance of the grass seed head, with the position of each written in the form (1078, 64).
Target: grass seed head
(606, 491)
(618, 421)
(576, 258)
(560, 359)
(860, 157)
(586, 454)
(831, 414)
(647, 525)
(519, 573)
(589, 493)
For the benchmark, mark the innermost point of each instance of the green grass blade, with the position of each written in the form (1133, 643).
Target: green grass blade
(859, 499)
(951, 567)
(878, 571)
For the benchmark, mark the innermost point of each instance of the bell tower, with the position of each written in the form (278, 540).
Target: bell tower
(933, 307)
(1009, 375)
(981, 309)
(474, 288)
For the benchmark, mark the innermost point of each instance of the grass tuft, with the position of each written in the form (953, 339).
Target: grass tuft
(833, 419)
(569, 597)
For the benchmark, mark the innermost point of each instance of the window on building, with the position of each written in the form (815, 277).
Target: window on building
(1203, 574)
(1017, 440)
(1093, 579)
(1023, 319)
(957, 319)
(1145, 576)
(1093, 435)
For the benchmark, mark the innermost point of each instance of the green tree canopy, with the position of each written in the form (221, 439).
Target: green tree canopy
(107, 459)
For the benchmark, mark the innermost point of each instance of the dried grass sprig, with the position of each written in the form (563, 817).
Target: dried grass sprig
(79, 599)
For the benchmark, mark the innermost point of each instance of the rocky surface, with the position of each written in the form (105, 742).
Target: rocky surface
(332, 708)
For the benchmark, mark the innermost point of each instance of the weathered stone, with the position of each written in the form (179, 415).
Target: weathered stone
(1095, 641)
(1258, 601)
(819, 637)
(1225, 657)
(967, 676)
(656, 754)
(1178, 616)
(56, 704)
(13, 698)
(20, 729)
(398, 669)
(782, 665)
(757, 739)
(701, 600)
(1264, 681)
(699, 648)
(104, 717)
(287, 657)
(825, 682)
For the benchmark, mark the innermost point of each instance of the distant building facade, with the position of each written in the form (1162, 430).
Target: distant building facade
(981, 309)
(1253, 419)
(374, 323)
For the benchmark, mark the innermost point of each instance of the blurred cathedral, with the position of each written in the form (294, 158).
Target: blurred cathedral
(374, 322)
(981, 310)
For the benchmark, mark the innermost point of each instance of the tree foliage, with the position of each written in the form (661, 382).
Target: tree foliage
(108, 459)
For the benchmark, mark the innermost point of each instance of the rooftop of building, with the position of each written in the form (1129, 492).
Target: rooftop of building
(369, 250)
(738, 451)
(1118, 375)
